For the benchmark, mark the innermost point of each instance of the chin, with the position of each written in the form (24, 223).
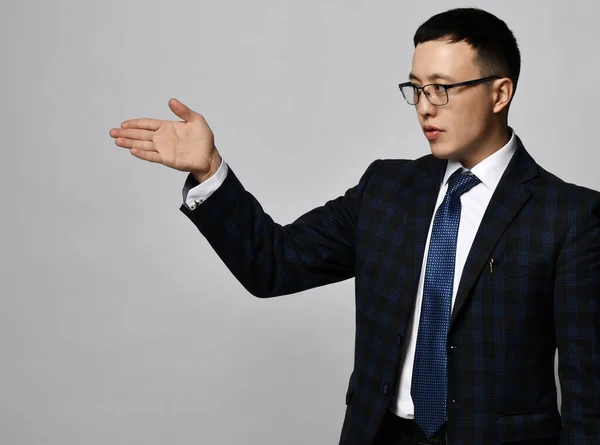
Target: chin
(442, 151)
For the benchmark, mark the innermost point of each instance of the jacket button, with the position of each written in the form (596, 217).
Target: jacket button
(386, 389)
(399, 339)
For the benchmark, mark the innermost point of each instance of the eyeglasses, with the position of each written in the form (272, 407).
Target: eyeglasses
(436, 93)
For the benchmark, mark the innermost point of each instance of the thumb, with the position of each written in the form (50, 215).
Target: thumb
(182, 111)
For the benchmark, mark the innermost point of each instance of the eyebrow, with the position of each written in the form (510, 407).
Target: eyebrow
(445, 77)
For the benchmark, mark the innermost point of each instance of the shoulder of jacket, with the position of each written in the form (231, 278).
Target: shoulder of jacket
(403, 164)
(564, 188)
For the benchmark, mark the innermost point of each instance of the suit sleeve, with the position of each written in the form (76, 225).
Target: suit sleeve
(269, 259)
(577, 321)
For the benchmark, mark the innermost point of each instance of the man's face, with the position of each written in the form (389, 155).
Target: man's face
(466, 119)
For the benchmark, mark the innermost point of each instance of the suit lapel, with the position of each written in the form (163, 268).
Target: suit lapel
(424, 190)
(421, 216)
(510, 196)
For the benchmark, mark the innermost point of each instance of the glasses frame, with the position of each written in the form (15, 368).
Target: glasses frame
(445, 86)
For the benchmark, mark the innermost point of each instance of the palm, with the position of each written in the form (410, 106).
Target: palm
(183, 145)
(186, 145)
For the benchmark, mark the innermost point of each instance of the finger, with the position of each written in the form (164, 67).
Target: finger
(142, 124)
(182, 111)
(139, 135)
(150, 156)
(133, 144)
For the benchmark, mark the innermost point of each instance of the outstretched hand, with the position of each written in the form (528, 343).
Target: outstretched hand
(186, 145)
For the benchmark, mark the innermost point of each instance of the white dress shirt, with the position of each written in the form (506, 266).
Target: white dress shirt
(473, 206)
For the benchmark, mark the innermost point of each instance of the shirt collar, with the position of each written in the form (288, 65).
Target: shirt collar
(491, 169)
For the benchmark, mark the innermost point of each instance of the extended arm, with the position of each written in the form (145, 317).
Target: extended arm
(270, 259)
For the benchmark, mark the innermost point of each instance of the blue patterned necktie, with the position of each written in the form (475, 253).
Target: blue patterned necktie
(429, 379)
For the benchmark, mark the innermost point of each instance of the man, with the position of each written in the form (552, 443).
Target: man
(472, 264)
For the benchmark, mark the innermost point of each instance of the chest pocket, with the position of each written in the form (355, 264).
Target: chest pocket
(515, 266)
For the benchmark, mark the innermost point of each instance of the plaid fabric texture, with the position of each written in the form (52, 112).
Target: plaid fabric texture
(531, 284)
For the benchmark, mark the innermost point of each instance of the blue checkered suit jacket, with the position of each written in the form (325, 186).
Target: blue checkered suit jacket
(542, 292)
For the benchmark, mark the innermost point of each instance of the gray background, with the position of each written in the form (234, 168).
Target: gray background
(118, 323)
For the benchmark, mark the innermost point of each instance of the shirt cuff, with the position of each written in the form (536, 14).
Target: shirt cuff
(195, 193)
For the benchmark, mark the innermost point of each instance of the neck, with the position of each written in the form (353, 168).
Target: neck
(494, 140)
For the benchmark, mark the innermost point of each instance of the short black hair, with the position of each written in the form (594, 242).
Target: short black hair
(495, 44)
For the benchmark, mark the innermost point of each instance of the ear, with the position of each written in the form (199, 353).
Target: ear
(502, 94)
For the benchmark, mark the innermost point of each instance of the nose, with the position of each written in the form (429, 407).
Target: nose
(424, 107)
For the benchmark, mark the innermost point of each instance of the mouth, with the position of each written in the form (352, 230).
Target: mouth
(431, 132)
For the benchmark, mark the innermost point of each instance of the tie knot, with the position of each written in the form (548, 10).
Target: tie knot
(461, 182)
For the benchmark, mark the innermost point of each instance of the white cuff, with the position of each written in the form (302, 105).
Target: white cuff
(201, 192)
